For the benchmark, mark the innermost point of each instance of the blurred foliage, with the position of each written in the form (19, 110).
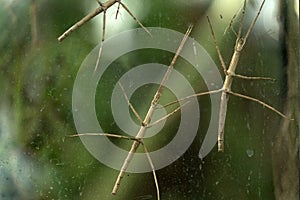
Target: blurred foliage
(38, 161)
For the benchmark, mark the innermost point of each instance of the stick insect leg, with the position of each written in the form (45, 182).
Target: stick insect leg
(130, 13)
(193, 95)
(254, 20)
(230, 26)
(102, 40)
(260, 102)
(130, 105)
(252, 77)
(217, 47)
(127, 138)
(167, 116)
(99, 2)
(118, 10)
(104, 134)
(242, 20)
(153, 169)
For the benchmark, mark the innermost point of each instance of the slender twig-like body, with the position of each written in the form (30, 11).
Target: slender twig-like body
(239, 45)
(87, 18)
(230, 74)
(227, 87)
(139, 138)
(149, 115)
(102, 8)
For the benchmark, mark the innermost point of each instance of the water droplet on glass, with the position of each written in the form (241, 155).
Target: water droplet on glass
(248, 126)
(42, 109)
(250, 152)
(195, 49)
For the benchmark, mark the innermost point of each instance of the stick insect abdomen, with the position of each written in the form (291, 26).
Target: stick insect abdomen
(222, 118)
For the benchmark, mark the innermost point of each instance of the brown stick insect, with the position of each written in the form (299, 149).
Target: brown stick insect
(230, 74)
(103, 7)
(145, 123)
(225, 90)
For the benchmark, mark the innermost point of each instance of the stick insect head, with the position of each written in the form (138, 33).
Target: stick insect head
(239, 44)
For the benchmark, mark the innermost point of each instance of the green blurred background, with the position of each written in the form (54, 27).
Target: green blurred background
(38, 161)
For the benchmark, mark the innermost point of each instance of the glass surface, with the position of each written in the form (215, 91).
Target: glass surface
(39, 159)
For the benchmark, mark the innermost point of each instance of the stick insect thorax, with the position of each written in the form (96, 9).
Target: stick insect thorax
(240, 42)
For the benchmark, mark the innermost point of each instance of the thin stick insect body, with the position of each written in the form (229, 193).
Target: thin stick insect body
(145, 124)
(139, 138)
(225, 90)
(230, 74)
(147, 120)
(100, 9)
(103, 7)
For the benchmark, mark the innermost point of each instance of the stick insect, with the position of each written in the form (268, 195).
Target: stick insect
(144, 124)
(230, 74)
(103, 7)
(104, 24)
(139, 139)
